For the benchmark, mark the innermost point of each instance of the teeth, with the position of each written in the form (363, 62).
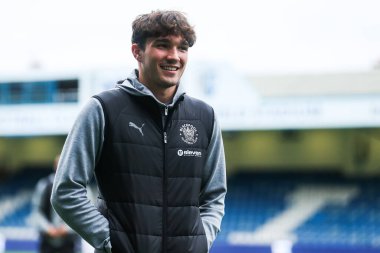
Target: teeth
(169, 68)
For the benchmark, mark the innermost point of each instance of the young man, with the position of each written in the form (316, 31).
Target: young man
(157, 154)
(55, 235)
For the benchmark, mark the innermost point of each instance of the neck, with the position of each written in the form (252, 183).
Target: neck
(164, 95)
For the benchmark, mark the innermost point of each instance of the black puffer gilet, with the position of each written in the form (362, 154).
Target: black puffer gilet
(150, 172)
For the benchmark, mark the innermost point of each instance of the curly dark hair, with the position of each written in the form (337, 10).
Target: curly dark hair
(161, 23)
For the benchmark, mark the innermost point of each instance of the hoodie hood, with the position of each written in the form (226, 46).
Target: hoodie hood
(133, 86)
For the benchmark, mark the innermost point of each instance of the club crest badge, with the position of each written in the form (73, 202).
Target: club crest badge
(188, 133)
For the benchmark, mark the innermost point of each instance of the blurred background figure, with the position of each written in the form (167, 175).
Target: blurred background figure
(55, 235)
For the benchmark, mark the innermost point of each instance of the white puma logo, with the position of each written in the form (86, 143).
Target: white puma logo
(131, 124)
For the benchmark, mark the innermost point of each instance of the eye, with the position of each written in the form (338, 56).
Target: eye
(162, 45)
(184, 48)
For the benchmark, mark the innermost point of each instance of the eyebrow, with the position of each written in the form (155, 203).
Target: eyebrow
(183, 42)
(161, 40)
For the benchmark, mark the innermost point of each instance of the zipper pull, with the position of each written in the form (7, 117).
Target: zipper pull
(165, 138)
(166, 111)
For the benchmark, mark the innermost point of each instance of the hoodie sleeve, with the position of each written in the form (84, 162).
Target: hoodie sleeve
(214, 191)
(75, 169)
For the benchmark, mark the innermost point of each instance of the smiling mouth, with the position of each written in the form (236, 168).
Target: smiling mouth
(170, 68)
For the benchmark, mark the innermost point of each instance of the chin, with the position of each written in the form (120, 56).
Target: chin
(170, 83)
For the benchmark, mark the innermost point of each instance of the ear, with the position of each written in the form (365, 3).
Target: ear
(136, 51)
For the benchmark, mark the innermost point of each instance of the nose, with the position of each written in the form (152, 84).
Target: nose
(173, 54)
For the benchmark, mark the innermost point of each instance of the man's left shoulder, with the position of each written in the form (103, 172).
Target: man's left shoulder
(198, 103)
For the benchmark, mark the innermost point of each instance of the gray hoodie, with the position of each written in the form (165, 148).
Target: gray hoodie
(78, 159)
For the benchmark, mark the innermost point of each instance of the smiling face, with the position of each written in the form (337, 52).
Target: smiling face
(162, 62)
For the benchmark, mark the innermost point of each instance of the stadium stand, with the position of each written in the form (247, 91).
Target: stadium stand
(306, 212)
(15, 209)
(315, 212)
